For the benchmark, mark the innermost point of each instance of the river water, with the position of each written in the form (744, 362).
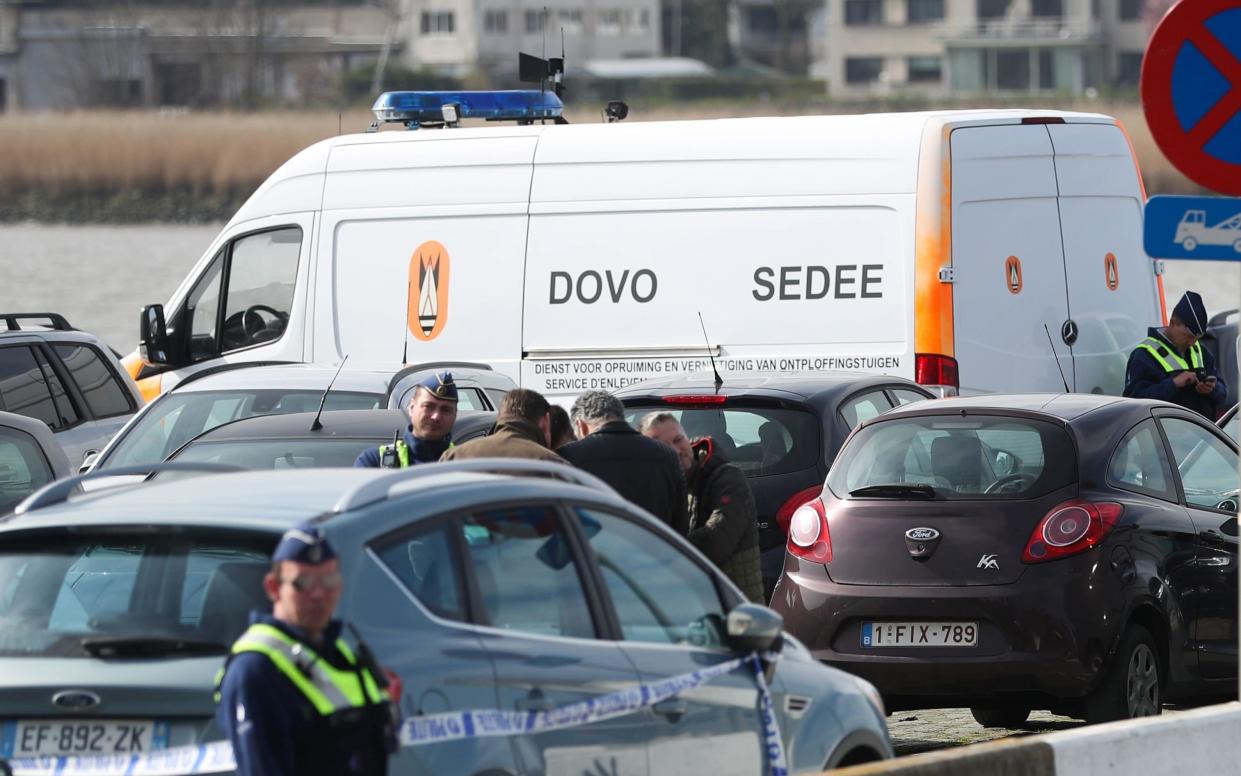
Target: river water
(99, 277)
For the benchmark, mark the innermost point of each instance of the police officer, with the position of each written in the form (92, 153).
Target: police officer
(294, 699)
(1171, 364)
(432, 411)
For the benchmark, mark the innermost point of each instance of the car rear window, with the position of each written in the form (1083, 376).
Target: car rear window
(278, 453)
(960, 457)
(58, 590)
(178, 418)
(761, 441)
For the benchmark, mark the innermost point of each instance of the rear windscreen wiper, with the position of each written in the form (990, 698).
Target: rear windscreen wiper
(897, 490)
(140, 646)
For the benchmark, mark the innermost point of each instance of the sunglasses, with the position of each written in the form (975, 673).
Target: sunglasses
(304, 583)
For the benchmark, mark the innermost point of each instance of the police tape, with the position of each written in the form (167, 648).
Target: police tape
(217, 756)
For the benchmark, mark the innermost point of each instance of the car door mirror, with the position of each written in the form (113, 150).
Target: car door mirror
(754, 628)
(153, 335)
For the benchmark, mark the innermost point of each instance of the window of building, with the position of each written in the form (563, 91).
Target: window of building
(178, 83)
(495, 22)
(924, 70)
(569, 19)
(991, 9)
(1046, 69)
(1130, 10)
(1129, 68)
(437, 22)
(535, 20)
(1044, 8)
(863, 70)
(762, 19)
(643, 21)
(919, 11)
(863, 12)
(116, 92)
(610, 21)
(1012, 68)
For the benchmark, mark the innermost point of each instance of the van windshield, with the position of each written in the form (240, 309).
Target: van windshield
(761, 441)
(66, 594)
(958, 457)
(178, 418)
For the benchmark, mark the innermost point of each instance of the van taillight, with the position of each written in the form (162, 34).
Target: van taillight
(808, 536)
(1071, 528)
(785, 513)
(936, 369)
(1043, 120)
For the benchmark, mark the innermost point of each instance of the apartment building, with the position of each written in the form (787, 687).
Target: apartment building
(458, 37)
(962, 47)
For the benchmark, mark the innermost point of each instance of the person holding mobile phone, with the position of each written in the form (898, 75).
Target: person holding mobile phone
(1171, 364)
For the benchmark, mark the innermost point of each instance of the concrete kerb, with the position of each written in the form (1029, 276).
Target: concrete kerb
(1205, 740)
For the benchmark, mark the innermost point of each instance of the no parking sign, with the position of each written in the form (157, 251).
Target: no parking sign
(1191, 91)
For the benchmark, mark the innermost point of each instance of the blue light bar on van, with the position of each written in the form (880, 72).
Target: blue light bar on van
(413, 108)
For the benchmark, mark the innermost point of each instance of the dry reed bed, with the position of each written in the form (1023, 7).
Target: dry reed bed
(231, 153)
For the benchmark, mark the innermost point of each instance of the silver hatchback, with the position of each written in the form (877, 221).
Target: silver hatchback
(482, 590)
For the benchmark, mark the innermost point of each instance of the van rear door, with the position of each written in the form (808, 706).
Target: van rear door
(1112, 288)
(1008, 265)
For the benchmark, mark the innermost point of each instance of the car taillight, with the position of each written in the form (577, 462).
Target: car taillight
(936, 369)
(785, 513)
(1071, 528)
(714, 398)
(808, 536)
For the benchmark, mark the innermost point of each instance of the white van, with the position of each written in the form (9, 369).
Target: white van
(944, 247)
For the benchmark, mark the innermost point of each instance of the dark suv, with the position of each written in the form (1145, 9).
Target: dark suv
(66, 378)
(1076, 553)
(781, 428)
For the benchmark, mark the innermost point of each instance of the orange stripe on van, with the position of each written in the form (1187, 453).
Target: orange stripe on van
(1163, 304)
(933, 332)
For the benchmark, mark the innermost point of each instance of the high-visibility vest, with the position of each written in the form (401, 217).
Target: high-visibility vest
(327, 688)
(1169, 359)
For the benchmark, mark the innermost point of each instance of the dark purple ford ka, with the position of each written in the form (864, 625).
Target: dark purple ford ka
(1076, 553)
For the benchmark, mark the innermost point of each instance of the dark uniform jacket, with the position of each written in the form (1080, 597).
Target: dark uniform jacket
(420, 450)
(274, 728)
(644, 471)
(514, 438)
(723, 521)
(1145, 378)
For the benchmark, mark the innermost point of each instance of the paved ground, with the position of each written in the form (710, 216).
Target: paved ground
(927, 730)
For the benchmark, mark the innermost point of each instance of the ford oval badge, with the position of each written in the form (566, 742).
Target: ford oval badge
(76, 700)
(921, 542)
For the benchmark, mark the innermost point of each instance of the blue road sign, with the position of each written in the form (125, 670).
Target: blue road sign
(1193, 228)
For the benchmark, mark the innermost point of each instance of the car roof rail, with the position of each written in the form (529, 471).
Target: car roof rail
(231, 367)
(59, 491)
(56, 319)
(412, 368)
(381, 488)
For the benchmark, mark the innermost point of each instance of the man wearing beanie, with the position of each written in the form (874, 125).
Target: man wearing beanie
(1171, 364)
(294, 699)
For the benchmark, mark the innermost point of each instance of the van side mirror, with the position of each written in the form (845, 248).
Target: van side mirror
(754, 628)
(153, 335)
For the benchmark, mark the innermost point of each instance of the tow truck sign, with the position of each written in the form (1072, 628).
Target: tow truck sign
(1193, 228)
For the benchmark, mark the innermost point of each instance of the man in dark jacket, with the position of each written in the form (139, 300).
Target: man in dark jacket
(723, 522)
(294, 699)
(641, 470)
(522, 431)
(432, 411)
(1171, 364)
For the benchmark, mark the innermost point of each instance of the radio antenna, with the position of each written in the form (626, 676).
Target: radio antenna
(315, 425)
(1057, 357)
(405, 340)
(719, 381)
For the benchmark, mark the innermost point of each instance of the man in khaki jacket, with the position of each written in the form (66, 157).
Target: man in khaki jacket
(522, 431)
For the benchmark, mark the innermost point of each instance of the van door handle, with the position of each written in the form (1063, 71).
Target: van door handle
(535, 701)
(672, 708)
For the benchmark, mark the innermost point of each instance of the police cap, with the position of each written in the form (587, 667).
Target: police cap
(440, 385)
(304, 543)
(1192, 312)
